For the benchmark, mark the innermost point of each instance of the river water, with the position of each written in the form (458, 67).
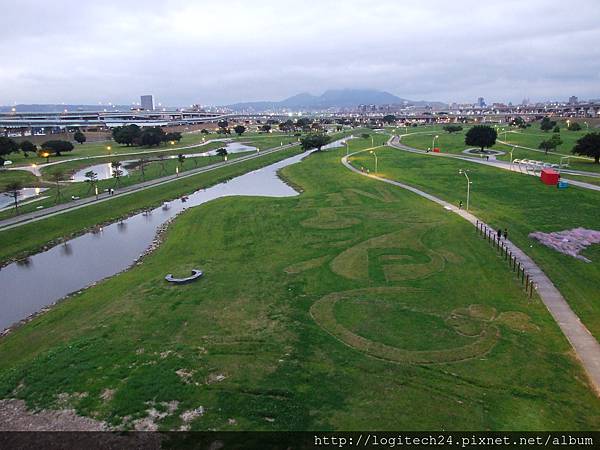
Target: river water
(42, 279)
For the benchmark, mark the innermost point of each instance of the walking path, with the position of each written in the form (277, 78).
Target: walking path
(36, 170)
(585, 345)
(77, 204)
(395, 142)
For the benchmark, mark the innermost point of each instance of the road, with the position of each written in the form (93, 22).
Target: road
(585, 345)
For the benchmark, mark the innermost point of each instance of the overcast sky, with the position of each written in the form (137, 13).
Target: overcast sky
(213, 52)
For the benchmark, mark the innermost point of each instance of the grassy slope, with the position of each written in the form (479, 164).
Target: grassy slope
(267, 261)
(522, 204)
(29, 237)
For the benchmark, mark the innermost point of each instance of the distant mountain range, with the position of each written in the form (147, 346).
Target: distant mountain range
(333, 98)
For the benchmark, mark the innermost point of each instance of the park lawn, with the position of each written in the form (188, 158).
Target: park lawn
(522, 204)
(253, 341)
(31, 237)
(455, 143)
(153, 170)
(12, 176)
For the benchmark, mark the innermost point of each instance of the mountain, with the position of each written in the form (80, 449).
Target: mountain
(333, 98)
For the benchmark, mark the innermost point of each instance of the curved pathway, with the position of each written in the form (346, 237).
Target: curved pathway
(395, 142)
(585, 345)
(34, 216)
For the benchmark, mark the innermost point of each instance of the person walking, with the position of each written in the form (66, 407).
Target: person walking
(505, 233)
(499, 234)
(460, 204)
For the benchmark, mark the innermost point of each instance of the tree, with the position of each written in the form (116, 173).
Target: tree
(303, 122)
(556, 129)
(314, 141)
(143, 162)
(517, 122)
(550, 144)
(204, 131)
(181, 159)
(13, 190)
(172, 137)
(7, 146)
(389, 118)
(546, 124)
(266, 128)
(91, 177)
(481, 136)
(128, 134)
(223, 124)
(58, 176)
(161, 161)
(57, 147)
(152, 136)
(588, 145)
(239, 129)
(574, 126)
(79, 137)
(365, 135)
(222, 152)
(27, 147)
(117, 172)
(453, 128)
(286, 126)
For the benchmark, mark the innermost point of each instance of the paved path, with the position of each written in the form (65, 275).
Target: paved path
(36, 170)
(395, 142)
(34, 216)
(585, 345)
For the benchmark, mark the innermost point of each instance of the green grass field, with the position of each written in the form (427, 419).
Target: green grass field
(522, 204)
(422, 138)
(152, 171)
(356, 305)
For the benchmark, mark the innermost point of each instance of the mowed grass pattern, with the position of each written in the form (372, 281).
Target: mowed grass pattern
(242, 342)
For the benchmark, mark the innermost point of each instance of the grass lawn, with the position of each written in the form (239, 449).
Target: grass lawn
(354, 305)
(521, 203)
(530, 137)
(152, 171)
(11, 176)
(27, 238)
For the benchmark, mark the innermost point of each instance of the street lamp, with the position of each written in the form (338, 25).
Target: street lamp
(176, 171)
(375, 155)
(372, 142)
(464, 172)
(47, 156)
(347, 147)
(108, 148)
(433, 142)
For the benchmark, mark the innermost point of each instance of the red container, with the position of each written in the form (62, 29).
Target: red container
(436, 149)
(550, 177)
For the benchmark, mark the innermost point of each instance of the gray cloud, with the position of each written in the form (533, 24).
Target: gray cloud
(214, 53)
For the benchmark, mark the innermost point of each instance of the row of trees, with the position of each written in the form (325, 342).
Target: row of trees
(149, 136)
(8, 146)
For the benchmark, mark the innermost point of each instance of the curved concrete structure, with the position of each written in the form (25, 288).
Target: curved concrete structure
(195, 275)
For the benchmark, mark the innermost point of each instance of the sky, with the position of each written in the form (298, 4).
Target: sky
(215, 53)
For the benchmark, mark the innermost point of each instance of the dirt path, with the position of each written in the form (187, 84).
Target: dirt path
(586, 347)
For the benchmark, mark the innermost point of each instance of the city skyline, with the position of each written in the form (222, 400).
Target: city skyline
(203, 53)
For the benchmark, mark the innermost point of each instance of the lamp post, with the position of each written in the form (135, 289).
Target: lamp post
(96, 191)
(464, 172)
(433, 142)
(372, 141)
(108, 149)
(347, 147)
(375, 155)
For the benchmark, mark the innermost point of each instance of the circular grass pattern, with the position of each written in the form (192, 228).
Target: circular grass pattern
(472, 336)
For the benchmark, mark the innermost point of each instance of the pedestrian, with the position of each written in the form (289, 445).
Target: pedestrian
(505, 233)
(499, 234)
(460, 204)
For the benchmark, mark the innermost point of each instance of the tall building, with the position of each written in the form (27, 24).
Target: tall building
(147, 102)
(481, 102)
(573, 100)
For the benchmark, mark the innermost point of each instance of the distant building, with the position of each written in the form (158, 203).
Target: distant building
(573, 100)
(147, 102)
(481, 102)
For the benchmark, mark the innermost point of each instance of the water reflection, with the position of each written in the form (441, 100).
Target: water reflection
(26, 287)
